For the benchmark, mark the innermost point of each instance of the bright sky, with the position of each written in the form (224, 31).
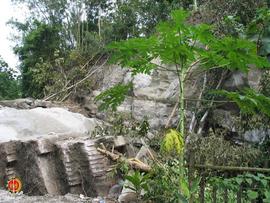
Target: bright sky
(7, 11)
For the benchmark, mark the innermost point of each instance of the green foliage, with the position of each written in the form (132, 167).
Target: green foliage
(249, 101)
(134, 18)
(36, 53)
(113, 97)
(47, 65)
(259, 29)
(139, 182)
(143, 128)
(254, 186)
(215, 150)
(173, 143)
(234, 54)
(181, 44)
(9, 84)
(215, 12)
(134, 54)
(119, 127)
(232, 26)
(166, 183)
(169, 183)
(105, 20)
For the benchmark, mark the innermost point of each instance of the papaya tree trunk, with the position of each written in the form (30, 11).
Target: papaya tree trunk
(182, 103)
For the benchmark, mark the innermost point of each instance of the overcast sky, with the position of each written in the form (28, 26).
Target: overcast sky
(7, 11)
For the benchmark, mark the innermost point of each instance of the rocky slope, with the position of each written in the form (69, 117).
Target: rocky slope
(53, 151)
(154, 97)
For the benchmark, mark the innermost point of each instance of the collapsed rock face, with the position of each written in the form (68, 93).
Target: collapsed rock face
(51, 151)
(154, 96)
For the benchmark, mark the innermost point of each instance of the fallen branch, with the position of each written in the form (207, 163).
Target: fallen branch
(132, 162)
(193, 120)
(109, 154)
(203, 119)
(232, 168)
(79, 82)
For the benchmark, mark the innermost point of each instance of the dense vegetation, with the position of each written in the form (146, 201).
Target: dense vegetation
(77, 32)
(182, 45)
(9, 84)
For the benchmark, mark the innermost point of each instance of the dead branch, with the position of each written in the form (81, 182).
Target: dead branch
(172, 114)
(132, 162)
(232, 168)
(79, 82)
(109, 154)
(198, 103)
(203, 119)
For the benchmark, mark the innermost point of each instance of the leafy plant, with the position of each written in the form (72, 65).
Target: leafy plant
(169, 183)
(253, 186)
(138, 182)
(183, 45)
(166, 183)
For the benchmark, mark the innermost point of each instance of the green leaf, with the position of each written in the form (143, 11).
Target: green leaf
(184, 187)
(179, 16)
(249, 181)
(233, 53)
(195, 185)
(113, 97)
(252, 194)
(134, 53)
(267, 195)
(239, 180)
(264, 182)
(248, 101)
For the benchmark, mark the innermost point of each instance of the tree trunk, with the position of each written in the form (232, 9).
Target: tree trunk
(182, 104)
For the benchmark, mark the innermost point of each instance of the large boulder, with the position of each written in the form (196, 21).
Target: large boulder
(52, 150)
(18, 124)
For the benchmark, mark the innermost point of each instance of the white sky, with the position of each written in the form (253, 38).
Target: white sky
(7, 11)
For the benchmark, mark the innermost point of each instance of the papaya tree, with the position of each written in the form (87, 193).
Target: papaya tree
(183, 46)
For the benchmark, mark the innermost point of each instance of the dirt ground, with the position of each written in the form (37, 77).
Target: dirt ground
(7, 197)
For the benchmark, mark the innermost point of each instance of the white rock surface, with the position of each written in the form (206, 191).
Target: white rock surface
(49, 122)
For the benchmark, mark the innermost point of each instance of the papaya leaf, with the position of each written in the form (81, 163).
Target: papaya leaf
(248, 101)
(113, 97)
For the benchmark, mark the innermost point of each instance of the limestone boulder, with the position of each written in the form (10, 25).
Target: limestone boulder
(18, 124)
